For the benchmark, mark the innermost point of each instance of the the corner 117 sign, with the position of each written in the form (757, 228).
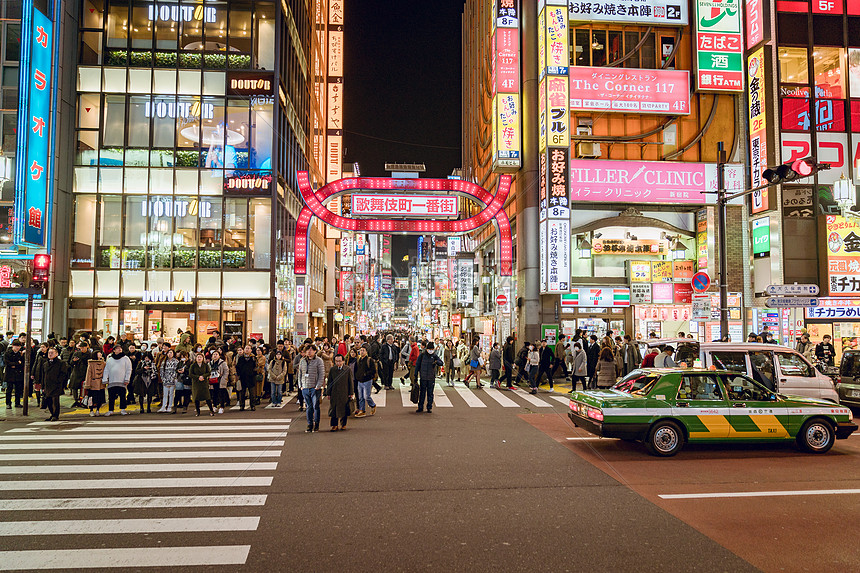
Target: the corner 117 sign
(719, 46)
(33, 178)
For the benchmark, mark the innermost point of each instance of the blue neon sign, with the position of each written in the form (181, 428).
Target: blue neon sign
(35, 133)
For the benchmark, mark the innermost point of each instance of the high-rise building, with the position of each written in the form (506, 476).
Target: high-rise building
(608, 116)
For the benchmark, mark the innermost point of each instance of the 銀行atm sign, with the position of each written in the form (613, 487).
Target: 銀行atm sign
(35, 128)
(719, 46)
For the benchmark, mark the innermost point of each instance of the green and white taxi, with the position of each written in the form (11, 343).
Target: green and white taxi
(665, 408)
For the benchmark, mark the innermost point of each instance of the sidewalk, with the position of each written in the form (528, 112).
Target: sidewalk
(36, 414)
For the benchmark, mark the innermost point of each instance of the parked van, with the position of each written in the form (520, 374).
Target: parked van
(780, 368)
(849, 378)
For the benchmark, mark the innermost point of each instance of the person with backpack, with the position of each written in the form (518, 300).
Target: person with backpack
(522, 362)
(425, 369)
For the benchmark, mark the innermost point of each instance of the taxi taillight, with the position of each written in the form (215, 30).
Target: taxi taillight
(595, 414)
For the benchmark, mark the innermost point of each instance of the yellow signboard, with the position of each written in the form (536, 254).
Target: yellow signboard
(640, 271)
(661, 271)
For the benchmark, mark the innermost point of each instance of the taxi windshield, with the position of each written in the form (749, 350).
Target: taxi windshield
(644, 385)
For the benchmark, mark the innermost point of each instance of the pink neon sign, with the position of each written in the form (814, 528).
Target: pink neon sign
(315, 206)
(404, 205)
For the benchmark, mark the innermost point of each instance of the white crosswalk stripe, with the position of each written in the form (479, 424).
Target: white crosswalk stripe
(172, 460)
(440, 399)
(455, 396)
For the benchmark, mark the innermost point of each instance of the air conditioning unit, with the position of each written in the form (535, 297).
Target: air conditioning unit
(589, 149)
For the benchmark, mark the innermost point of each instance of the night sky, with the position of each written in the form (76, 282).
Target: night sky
(402, 84)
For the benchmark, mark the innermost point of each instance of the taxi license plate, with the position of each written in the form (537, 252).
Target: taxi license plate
(854, 393)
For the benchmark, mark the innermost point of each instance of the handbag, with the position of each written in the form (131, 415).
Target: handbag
(87, 401)
(480, 361)
(413, 394)
(474, 363)
(457, 363)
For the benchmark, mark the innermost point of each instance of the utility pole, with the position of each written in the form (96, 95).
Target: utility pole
(721, 223)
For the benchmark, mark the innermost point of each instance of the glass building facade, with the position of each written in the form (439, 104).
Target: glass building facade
(192, 120)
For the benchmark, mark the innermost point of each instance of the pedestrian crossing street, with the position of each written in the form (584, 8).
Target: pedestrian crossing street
(131, 493)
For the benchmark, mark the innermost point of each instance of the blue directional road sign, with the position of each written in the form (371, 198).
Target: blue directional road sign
(792, 290)
(791, 302)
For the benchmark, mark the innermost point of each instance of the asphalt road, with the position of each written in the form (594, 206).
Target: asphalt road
(467, 488)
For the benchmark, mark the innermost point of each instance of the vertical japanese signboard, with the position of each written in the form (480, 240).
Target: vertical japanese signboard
(334, 108)
(756, 105)
(506, 132)
(35, 129)
(554, 144)
(465, 281)
(719, 46)
(755, 18)
(507, 117)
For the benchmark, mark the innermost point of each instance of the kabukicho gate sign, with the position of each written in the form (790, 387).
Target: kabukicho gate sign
(493, 211)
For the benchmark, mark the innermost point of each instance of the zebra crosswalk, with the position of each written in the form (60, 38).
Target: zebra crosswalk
(78, 484)
(445, 396)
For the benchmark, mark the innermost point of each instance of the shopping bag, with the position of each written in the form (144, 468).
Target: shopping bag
(413, 394)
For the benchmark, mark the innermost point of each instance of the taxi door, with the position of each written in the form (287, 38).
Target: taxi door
(701, 405)
(756, 413)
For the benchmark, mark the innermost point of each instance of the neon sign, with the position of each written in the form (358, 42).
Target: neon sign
(174, 13)
(493, 211)
(35, 129)
(404, 206)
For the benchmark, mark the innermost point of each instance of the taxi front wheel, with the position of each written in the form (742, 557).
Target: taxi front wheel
(665, 439)
(816, 436)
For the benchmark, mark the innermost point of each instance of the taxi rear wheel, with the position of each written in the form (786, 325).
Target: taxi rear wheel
(816, 436)
(665, 439)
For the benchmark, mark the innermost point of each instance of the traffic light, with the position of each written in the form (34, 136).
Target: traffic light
(797, 169)
(41, 269)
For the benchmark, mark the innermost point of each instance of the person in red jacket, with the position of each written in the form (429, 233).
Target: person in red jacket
(648, 360)
(414, 353)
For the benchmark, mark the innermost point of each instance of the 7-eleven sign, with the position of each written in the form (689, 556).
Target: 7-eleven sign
(596, 297)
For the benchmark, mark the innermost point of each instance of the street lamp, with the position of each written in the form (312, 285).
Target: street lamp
(678, 248)
(843, 193)
(583, 246)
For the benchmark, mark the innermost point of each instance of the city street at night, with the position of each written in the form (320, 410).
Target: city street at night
(489, 480)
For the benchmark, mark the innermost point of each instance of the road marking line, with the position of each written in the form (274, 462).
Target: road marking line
(139, 468)
(149, 445)
(586, 438)
(440, 399)
(120, 421)
(380, 398)
(404, 396)
(118, 526)
(70, 559)
(178, 428)
(531, 398)
(500, 398)
(167, 437)
(142, 483)
(143, 502)
(759, 493)
(563, 399)
(471, 399)
(81, 456)
(275, 406)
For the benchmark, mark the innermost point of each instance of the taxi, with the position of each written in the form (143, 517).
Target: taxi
(668, 407)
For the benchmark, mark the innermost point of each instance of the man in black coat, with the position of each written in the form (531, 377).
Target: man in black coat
(14, 359)
(509, 356)
(547, 359)
(388, 356)
(592, 353)
(53, 376)
(246, 370)
(425, 368)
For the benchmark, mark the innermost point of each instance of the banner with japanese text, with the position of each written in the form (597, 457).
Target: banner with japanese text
(35, 130)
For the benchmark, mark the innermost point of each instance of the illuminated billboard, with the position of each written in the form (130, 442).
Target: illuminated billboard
(35, 129)
(404, 205)
(507, 138)
(629, 90)
(505, 81)
(637, 12)
(719, 59)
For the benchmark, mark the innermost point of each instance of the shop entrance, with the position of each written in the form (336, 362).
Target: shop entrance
(166, 322)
